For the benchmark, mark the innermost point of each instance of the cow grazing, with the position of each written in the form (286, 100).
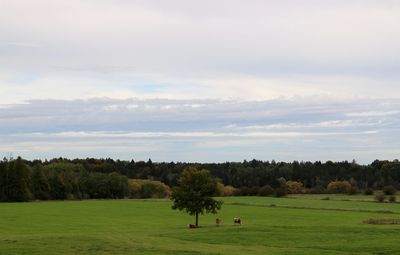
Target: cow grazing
(237, 221)
(192, 226)
(217, 221)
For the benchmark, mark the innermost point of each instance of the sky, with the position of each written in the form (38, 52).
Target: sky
(200, 81)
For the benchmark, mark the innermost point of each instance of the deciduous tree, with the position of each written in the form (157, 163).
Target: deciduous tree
(194, 193)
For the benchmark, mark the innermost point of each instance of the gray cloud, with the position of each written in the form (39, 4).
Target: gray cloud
(191, 129)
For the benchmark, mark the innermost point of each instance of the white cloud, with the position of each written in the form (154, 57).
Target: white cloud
(210, 49)
(373, 113)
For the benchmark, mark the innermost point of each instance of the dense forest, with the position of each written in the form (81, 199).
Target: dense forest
(23, 180)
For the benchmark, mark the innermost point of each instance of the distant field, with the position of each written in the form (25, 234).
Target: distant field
(294, 225)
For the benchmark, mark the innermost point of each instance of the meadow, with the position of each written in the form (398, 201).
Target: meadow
(309, 224)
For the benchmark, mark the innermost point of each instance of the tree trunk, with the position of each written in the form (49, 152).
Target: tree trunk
(197, 219)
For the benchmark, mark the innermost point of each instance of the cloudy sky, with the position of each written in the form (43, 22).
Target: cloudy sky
(218, 80)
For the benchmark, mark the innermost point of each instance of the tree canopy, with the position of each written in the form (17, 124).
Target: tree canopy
(195, 191)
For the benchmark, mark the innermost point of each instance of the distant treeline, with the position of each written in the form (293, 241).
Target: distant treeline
(61, 178)
(22, 180)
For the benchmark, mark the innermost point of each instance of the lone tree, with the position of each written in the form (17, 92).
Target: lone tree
(194, 193)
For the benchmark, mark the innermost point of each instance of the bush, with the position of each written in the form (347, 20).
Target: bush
(316, 190)
(134, 188)
(353, 190)
(280, 192)
(247, 191)
(392, 199)
(380, 197)
(339, 187)
(226, 190)
(295, 187)
(389, 190)
(369, 191)
(243, 191)
(254, 191)
(148, 189)
(266, 191)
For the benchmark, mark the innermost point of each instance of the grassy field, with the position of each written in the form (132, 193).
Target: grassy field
(294, 225)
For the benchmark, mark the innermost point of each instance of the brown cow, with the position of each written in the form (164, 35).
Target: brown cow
(192, 226)
(217, 221)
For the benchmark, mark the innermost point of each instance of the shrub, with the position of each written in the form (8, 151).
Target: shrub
(254, 191)
(389, 190)
(295, 187)
(243, 191)
(316, 190)
(134, 188)
(369, 191)
(340, 187)
(226, 190)
(281, 182)
(380, 196)
(392, 199)
(247, 191)
(280, 192)
(266, 191)
(353, 190)
(148, 189)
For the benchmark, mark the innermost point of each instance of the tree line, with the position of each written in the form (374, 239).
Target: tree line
(22, 180)
(61, 178)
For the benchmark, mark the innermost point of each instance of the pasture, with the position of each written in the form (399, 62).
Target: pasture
(294, 225)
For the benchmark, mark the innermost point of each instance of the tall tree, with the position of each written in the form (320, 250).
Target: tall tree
(194, 193)
(19, 180)
(40, 184)
(57, 187)
(4, 165)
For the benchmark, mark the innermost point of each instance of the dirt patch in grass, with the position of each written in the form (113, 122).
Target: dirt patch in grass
(315, 208)
(382, 221)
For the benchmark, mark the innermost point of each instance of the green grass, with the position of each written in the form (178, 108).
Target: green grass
(335, 203)
(294, 225)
